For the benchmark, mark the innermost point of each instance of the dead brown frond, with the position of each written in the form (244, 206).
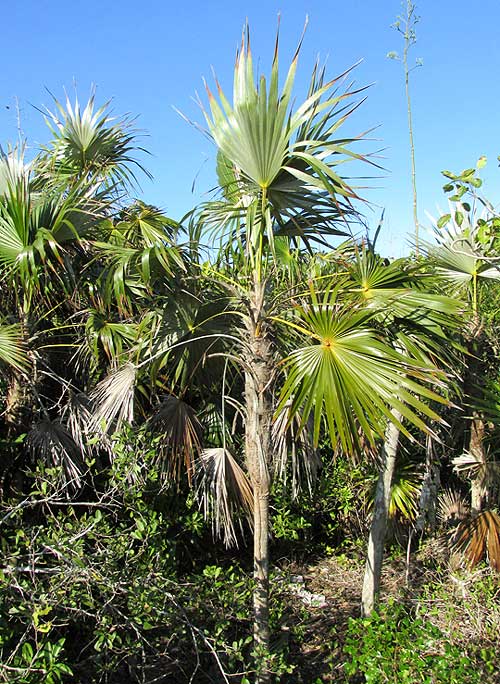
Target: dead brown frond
(478, 539)
(113, 399)
(452, 507)
(224, 492)
(51, 442)
(295, 446)
(180, 432)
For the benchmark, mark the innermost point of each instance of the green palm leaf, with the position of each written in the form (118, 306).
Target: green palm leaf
(12, 348)
(277, 165)
(89, 142)
(349, 375)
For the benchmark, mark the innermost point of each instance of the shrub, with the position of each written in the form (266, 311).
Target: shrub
(393, 647)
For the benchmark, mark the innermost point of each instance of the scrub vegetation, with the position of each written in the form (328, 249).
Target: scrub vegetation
(244, 446)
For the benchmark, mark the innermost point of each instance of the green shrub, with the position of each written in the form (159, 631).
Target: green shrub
(393, 647)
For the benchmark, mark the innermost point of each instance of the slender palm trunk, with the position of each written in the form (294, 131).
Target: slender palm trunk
(375, 553)
(258, 379)
(473, 389)
(479, 493)
(14, 401)
(428, 493)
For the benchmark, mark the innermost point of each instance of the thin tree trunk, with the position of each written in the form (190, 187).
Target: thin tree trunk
(473, 389)
(258, 379)
(428, 493)
(479, 493)
(378, 529)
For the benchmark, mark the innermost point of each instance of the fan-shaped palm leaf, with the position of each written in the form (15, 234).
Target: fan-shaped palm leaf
(277, 166)
(50, 441)
(405, 491)
(351, 376)
(293, 446)
(180, 432)
(113, 399)
(223, 491)
(478, 538)
(478, 467)
(12, 169)
(89, 142)
(12, 347)
(452, 507)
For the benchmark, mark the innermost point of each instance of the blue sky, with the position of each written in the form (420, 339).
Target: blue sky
(151, 56)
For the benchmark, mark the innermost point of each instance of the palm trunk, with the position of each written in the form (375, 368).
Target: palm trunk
(473, 389)
(378, 529)
(258, 379)
(479, 493)
(428, 493)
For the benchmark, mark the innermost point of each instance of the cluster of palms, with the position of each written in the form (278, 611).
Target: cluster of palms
(235, 357)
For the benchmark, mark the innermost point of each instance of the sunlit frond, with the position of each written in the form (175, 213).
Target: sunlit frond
(12, 169)
(12, 347)
(348, 375)
(452, 507)
(89, 141)
(478, 467)
(277, 163)
(113, 399)
(478, 539)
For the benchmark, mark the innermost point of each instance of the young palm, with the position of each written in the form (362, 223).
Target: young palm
(417, 323)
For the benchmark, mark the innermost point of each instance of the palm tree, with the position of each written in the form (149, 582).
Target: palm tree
(280, 191)
(51, 212)
(467, 264)
(416, 322)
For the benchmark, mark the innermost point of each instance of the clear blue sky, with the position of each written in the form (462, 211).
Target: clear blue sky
(150, 56)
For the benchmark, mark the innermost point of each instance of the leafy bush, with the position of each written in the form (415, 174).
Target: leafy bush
(393, 647)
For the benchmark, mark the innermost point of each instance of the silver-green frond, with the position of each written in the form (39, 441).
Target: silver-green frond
(89, 141)
(278, 163)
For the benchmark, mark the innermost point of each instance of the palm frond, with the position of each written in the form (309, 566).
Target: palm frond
(224, 493)
(79, 421)
(478, 539)
(477, 467)
(277, 165)
(405, 491)
(294, 448)
(12, 347)
(452, 507)
(113, 399)
(12, 169)
(88, 141)
(350, 376)
(52, 443)
(180, 432)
